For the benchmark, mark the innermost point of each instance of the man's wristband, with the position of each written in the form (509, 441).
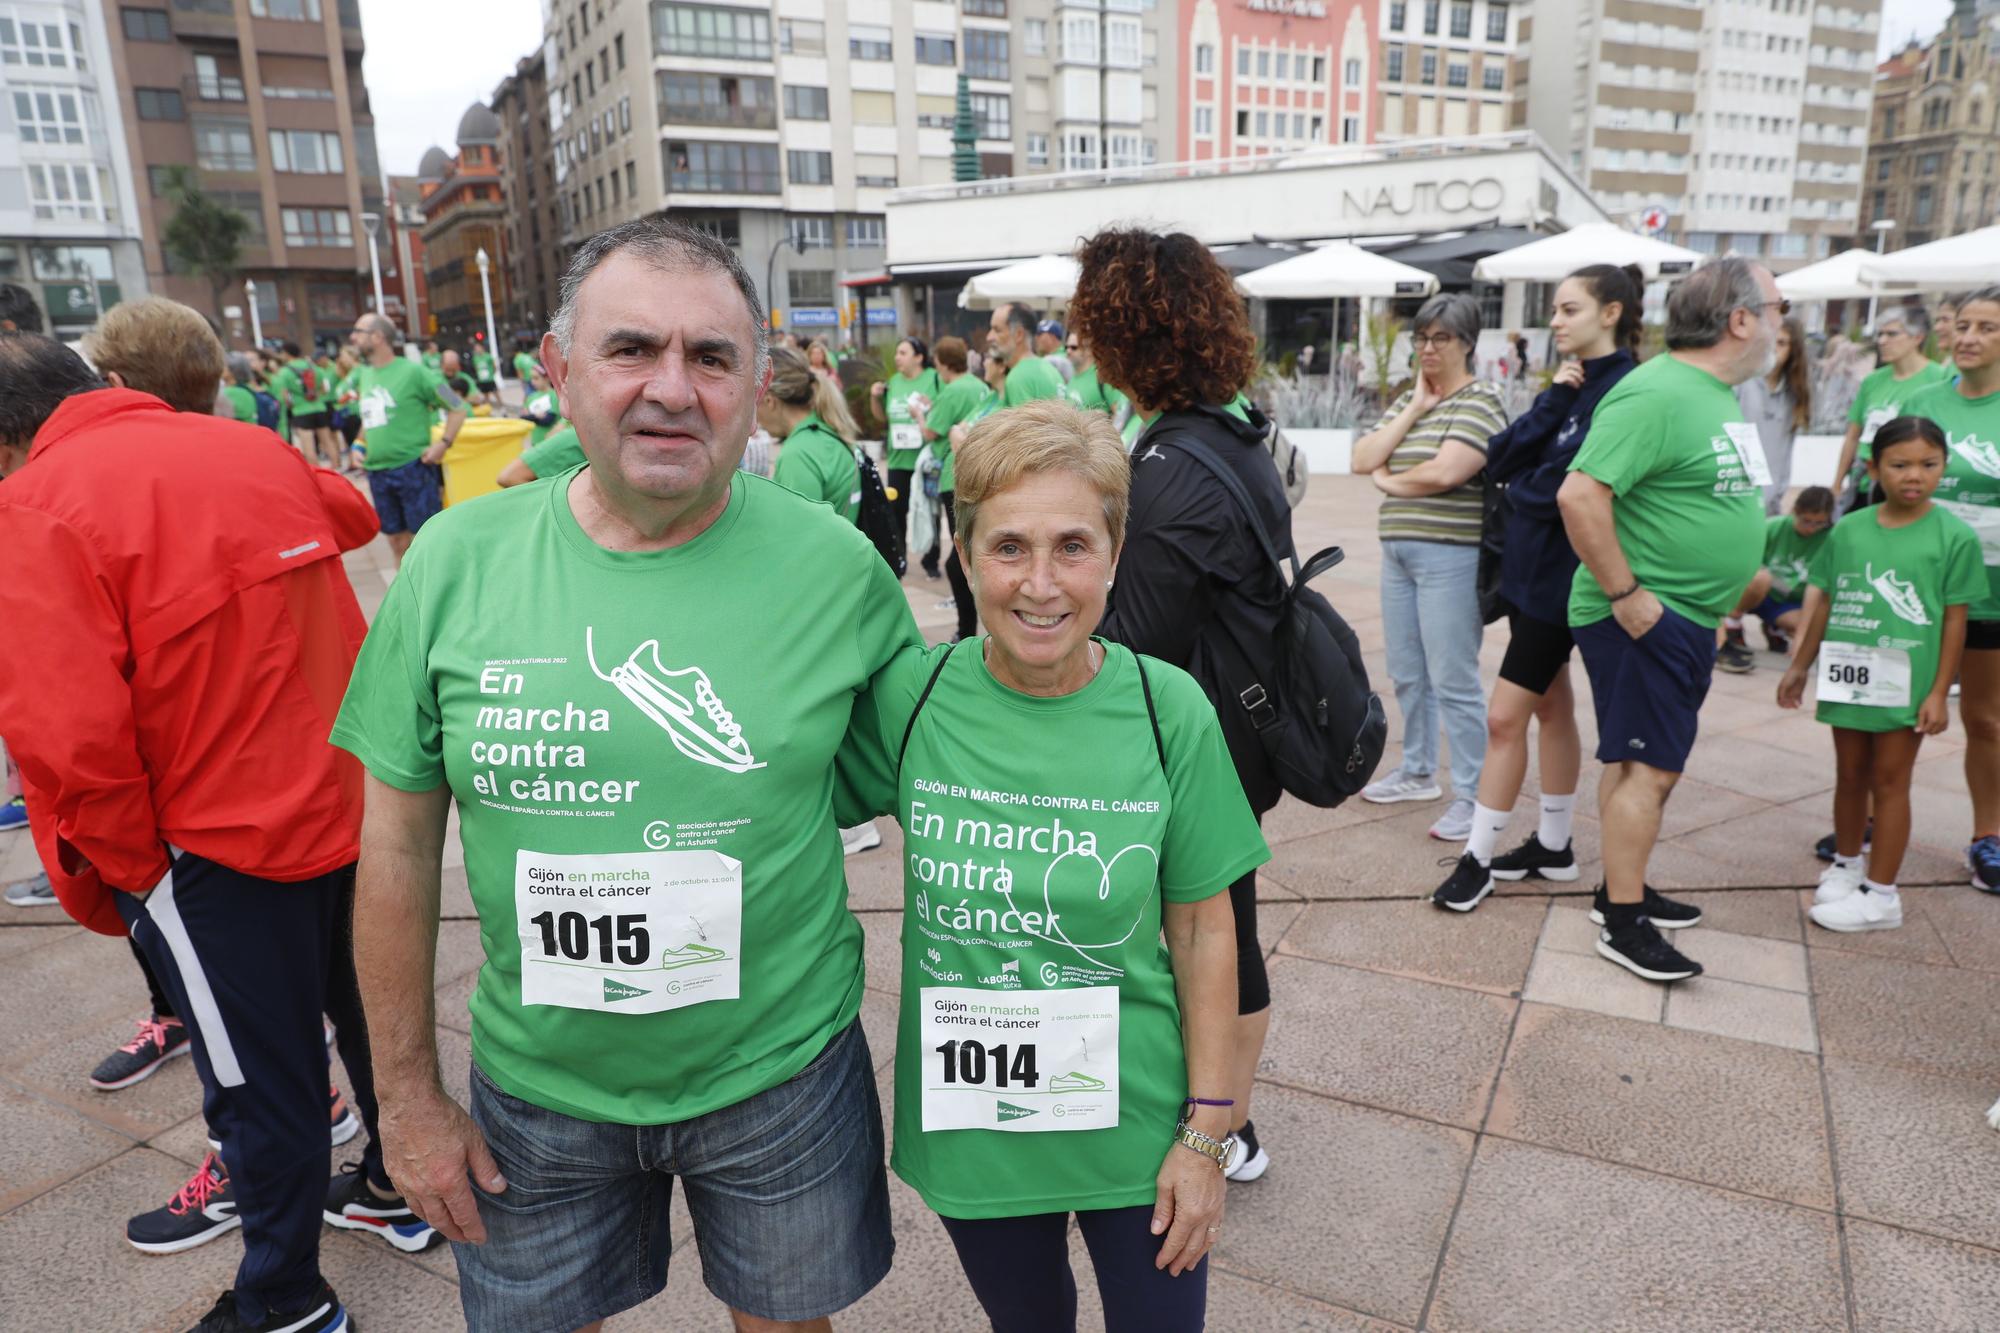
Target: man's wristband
(1621, 596)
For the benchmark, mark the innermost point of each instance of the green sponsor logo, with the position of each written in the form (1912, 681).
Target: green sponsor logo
(618, 990)
(1009, 1111)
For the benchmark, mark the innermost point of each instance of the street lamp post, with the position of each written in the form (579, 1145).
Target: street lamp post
(256, 325)
(1881, 227)
(372, 221)
(770, 261)
(492, 339)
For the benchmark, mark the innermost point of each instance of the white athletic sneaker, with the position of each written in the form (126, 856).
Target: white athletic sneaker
(860, 838)
(1861, 911)
(1401, 786)
(1455, 824)
(1837, 883)
(1993, 1116)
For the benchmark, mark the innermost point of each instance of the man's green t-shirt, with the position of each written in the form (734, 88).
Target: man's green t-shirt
(558, 453)
(641, 749)
(524, 365)
(1970, 488)
(1028, 379)
(1091, 394)
(1889, 588)
(482, 367)
(1671, 443)
(1879, 401)
(434, 361)
(956, 402)
(1039, 1061)
(820, 466)
(1789, 556)
(905, 439)
(242, 403)
(396, 403)
(543, 403)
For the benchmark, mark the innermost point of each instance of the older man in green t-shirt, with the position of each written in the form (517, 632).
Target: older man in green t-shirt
(1664, 505)
(1011, 337)
(396, 398)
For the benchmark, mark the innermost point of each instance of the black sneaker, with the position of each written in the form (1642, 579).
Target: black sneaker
(1735, 658)
(1825, 848)
(157, 1041)
(351, 1205)
(1469, 882)
(322, 1313)
(204, 1208)
(1644, 952)
(1777, 640)
(1531, 860)
(1664, 912)
(1249, 1160)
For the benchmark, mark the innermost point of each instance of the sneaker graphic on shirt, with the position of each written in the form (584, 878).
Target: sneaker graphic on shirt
(1074, 1081)
(701, 727)
(1900, 594)
(1980, 455)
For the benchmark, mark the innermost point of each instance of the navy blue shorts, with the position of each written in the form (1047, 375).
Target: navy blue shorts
(1647, 691)
(408, 495)
(1771, 608)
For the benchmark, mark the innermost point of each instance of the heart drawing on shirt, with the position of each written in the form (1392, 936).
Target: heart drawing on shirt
(1095, 904)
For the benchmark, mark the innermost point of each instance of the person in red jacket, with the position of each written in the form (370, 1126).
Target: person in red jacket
(178, 644)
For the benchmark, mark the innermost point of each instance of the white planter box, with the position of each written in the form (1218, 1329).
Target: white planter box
(1325, 450)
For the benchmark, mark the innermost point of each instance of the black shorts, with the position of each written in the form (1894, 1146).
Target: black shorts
(309, 421)
(1983, 635)
(487, 386)
(1536, 651)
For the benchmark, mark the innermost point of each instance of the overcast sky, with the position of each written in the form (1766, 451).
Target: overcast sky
(430, 59)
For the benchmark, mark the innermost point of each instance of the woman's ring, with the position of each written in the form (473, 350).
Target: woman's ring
(1214, 1230)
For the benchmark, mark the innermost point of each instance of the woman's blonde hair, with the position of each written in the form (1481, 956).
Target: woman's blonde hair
(1048, 435)
(159, 347)
(795, 384)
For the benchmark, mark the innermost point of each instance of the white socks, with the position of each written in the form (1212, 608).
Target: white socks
(1487, 826)
(1554, 832)
(1847, 862)
(1881, 890)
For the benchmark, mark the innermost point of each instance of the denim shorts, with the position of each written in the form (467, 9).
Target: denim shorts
(1648, 691)
(787, 1189)
(407, 496)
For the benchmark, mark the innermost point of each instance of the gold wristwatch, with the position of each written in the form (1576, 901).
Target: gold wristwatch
(1216, 1150)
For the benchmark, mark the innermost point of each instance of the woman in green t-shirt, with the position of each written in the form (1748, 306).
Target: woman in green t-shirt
(958, 403)
(915, 381)
(1065, 803)
(1899, 341)
(803, 410)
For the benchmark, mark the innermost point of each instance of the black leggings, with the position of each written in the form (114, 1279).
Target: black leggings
(162, 1006)
(954, 572)
(899, 482)
(1019, 1269)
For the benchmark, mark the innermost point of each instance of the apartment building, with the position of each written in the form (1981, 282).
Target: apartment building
(521, 104)
(1275, 76)
(69, 227)
(1934, 145)
(783, 127)
(1744, 120)
(264, 100)
(405, 292)
(465, 216)
(1446, 67)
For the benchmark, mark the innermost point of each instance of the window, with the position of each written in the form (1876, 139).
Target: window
(1242, 124)
(1399, 14)
(717, 99)
(251, 205)
(933, 49)
(986, 54)
(1034, 37)
(1242, 62)
(722, 168)
(62, 191)
(1123, 42)
(317, 226)
(1496, 22)
(1350, 129)
(1123, 150)
(618, 49)
(1493, 78)
(40, 45)
(703, 30)
(986, 9)
(147, 25)
(1263, 64)
(865, 42)
(1204, 121)
(1457, 75)
(1080, 152)
(1204, 59)
(866, 233)
(1461, 19)
(1429, 68)
(803, 103)
(156, 103)
(298, 10)
(159, 178)
(624, 115)
(802, 37)
(992, 115)
(1926, 205)
(224, 145)
(1431, 17)
(1350, 74)
(1038, 145)
(1263, 124)
(879, 172)
(810, 286)
(306, 152)
(1284, 65)
(1079, 38)
(812, 233)
(1392, 64)
(803, 167)
(51, 115)
(215, 86)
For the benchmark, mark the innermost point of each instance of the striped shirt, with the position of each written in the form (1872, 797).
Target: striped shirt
(1455, 517)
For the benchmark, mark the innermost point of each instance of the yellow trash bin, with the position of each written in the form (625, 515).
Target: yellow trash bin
(484, 446)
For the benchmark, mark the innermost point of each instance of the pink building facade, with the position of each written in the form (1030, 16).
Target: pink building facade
(1275, 76)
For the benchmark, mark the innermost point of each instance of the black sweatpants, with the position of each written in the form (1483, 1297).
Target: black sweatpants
(1019, 1269)
(250, 964)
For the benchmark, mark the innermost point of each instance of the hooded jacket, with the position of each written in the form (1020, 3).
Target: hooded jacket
(180, 632)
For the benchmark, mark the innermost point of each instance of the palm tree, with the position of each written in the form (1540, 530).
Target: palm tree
(204, 236)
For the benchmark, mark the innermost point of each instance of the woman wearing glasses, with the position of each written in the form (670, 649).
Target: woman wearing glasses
(1426, 457)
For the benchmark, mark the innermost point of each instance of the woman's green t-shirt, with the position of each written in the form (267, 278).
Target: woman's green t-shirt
(1970, 488)
(820, 465)
(960, 401)
(905, 439)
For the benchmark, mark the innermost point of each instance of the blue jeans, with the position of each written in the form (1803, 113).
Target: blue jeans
(787, 1190)
(1431, 625)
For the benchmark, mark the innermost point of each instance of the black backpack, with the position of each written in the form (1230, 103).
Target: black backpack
(1496, 510)
(875, 517)
(1321, 727)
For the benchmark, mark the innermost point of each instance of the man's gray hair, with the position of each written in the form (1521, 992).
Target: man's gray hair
(1699, 306)
(1021, 316)
(238, 366)
(1916, 320)
(1454, 313)
(664, 243)
(383, 325)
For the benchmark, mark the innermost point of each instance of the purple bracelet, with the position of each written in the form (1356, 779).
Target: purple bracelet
(1205, 1101)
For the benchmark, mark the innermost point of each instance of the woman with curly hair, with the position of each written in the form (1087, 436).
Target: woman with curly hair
(1194, 587)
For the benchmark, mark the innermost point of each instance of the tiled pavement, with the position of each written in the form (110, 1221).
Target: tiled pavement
(1475, 1123)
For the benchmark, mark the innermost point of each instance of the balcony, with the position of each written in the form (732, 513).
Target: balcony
(213, 90)
(205, 18)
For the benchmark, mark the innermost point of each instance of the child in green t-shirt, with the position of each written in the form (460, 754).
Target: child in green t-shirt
(1885, 614)
(1777, 594)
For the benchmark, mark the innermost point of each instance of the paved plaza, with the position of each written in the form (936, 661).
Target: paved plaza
(1475, 1123)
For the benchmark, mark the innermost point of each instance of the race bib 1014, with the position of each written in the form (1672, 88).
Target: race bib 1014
(1021, 1060)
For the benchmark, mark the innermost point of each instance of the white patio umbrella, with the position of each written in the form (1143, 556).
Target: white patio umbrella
(1336, 269)
(1835, 279)
(1044, 280)
(1970, 260)
(1554, 258)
